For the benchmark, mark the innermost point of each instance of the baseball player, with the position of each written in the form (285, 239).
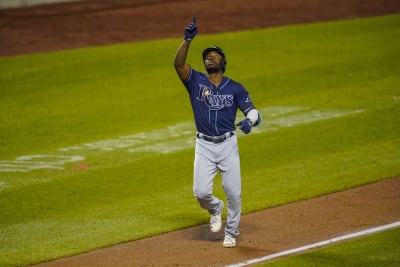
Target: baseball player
(215, 99)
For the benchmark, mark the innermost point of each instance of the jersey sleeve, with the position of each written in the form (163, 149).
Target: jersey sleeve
(190, 81)
(244, 102)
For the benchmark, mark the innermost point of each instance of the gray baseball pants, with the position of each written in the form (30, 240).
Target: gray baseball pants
(209, 158)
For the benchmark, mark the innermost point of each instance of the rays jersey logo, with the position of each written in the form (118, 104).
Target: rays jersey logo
(214, 102)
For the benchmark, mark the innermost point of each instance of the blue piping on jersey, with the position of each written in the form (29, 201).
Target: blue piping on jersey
(216, 112)
(222, 86)
(190, 75)
(216, 120)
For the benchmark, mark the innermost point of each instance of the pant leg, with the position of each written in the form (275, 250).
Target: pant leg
(231, 180)
(204, 174)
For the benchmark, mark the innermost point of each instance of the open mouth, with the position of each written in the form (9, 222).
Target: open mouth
(210, 63)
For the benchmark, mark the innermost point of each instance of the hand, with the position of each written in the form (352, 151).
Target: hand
(191, 30)
(245, 125)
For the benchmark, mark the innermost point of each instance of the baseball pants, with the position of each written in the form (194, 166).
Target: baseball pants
(209, 158)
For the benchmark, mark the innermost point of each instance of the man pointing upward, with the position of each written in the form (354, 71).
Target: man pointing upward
(215, 99)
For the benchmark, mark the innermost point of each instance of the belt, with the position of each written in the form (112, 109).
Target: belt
(215, 139)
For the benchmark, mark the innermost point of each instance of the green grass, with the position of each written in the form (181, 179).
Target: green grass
(377, 250)
(64, 103)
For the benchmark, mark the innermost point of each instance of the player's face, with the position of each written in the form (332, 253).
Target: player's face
(212, 62)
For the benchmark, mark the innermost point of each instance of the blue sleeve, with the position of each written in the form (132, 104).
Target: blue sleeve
(244, 101)
(188, 83)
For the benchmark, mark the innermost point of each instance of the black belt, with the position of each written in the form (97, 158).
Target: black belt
(215, 139)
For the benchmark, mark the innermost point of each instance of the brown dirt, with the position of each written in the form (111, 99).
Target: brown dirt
(102, 22)
(93, 23)
(263, 233)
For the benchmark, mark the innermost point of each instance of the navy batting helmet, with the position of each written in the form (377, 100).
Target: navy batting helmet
(219, 51)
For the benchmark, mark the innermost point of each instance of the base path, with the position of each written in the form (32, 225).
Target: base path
(263, 233)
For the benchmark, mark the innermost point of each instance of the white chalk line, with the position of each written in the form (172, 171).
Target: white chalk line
(318, 244)
(167, 140)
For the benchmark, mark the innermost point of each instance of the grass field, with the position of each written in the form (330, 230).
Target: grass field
(96, 144)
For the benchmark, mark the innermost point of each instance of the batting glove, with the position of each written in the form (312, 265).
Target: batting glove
(191, 30)
(245, 125)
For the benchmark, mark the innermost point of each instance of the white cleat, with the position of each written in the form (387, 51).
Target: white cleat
(216, 222)
(229, 242)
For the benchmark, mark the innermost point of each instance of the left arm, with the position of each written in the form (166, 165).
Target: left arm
(253, 118)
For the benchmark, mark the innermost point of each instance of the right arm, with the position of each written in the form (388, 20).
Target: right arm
(181, 67)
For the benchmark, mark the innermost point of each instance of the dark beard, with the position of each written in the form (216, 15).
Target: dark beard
(214, 69)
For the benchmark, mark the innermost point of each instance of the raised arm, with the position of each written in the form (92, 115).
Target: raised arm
(181, 67)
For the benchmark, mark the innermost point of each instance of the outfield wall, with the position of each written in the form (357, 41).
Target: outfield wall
(4, 4)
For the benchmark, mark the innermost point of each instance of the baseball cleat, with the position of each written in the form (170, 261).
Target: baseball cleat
(229, 242)
(216, 221)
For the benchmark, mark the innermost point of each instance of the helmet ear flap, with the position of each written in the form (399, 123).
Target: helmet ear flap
(223, 64)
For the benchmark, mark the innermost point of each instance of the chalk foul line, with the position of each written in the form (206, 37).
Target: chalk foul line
(318, 244)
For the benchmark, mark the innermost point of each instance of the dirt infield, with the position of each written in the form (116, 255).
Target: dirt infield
(263, 233)
(93, 23)
(102, 22)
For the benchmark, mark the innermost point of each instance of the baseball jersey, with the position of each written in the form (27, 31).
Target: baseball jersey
(215, 109)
